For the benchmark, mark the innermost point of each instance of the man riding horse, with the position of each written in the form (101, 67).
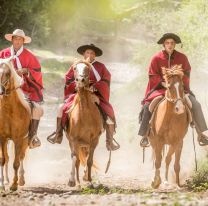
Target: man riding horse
(156, 87)
(28, 67)
(100, 84)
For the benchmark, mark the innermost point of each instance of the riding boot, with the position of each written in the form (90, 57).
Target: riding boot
(145, 118)
(57, 137)
(199, 120)
(109, 138)
(34, 141)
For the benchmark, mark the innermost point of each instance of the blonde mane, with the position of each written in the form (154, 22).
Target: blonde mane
(17, 82)
(176, 70)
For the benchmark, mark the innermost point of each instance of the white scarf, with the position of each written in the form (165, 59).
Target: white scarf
(15, 56)
(97, 76)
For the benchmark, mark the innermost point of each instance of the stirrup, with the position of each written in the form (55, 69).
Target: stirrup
(109, 145)
(144, 146)
(49, 138)
(201, 143)
(116, 144)
(34, 142)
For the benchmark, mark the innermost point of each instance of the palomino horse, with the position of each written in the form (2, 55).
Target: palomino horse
(14, 122)
(85, 124)
(169, 124)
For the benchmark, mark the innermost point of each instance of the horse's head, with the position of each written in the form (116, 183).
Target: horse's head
(9, 79)
(5, 75)
(81, 73)
(174, 83)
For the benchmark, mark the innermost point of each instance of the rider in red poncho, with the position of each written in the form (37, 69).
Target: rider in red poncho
(168, 58)
(28, 67)
(100, 79)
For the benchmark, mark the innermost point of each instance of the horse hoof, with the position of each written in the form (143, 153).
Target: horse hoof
(21, 182)
(13, 188)
(2, 188)
(156, 183)
(6, 182)
(85, 178)
(71, 183)
(89, 185)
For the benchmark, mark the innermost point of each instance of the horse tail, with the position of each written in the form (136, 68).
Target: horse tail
(83, 155)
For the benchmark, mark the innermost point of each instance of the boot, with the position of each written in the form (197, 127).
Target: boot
(109, 138)
(33, 139)
(144, 142)
(144, 125)
(57, 136)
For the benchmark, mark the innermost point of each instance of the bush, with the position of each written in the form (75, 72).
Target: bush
(199, 180)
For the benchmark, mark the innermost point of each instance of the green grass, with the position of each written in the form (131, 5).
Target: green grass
(199, 180)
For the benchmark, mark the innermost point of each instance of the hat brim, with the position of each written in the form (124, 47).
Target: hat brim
(170, 36)
(27, 39)
(82, 49)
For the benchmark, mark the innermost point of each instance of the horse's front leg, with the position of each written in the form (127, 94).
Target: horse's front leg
(2, 163)
(22, 156)
(74, 157)
(16, 164)
(167, 161)
(158, 158)
(177, 161)
(6, 174)
(90, 162)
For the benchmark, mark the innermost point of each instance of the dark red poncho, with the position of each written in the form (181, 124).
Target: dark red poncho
(33, 83)
(102, 86)
(155, 73)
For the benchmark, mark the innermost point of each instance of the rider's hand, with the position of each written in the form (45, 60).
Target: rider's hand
(95, 98)
(22, 71)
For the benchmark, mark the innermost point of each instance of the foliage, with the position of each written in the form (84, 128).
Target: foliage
(30, 15)
(199, 180)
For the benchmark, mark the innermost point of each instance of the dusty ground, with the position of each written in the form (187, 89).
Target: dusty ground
(128, 180)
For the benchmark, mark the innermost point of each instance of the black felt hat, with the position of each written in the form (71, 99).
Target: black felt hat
(173, 36)
(82, 49)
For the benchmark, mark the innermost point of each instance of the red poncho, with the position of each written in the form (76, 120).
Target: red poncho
(102, 86)
(33, 83)
(155, 73)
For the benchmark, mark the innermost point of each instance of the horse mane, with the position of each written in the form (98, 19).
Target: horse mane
(17, 82)
(176, 70)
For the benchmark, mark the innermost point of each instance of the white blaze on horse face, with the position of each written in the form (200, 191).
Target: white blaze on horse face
(179, 107)
(80, 69)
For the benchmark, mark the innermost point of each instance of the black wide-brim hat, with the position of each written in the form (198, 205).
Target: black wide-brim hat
(82, 49)
(173, 36)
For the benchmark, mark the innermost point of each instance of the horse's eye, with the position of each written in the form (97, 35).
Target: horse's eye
(74, 68)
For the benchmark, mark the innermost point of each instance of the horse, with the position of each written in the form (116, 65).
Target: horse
(85, 124)
(15, 115)
(169, 123)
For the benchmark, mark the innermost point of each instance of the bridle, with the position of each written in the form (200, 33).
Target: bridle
(5, 92)
(174, 101)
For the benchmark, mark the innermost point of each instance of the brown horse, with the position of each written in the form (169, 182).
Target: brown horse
(85, 124)
(14, 122)
(169, 124)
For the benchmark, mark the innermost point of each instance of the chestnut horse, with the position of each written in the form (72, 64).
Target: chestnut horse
(85, 124)
(169, 123)
(14, 122)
